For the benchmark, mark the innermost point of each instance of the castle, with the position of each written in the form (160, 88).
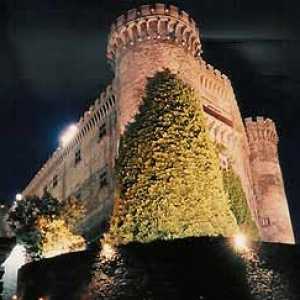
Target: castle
(142, 42)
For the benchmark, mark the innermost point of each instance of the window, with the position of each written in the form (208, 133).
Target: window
(102, 131)
(265, 221)
(55, 181)
(77, 156)
(103, 177)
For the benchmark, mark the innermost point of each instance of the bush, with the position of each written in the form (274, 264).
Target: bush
(169, 179)
(44, 225)
(239, 204)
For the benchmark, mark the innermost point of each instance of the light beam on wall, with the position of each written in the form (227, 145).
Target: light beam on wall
(68, 135)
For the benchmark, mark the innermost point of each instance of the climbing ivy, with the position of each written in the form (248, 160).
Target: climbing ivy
(238, 203)
(169, 180)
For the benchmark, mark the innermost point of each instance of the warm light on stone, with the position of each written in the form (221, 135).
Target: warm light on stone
(68, 135)
(240, 242)
(108, 252)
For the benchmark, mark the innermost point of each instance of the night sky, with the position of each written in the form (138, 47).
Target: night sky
(52, 67)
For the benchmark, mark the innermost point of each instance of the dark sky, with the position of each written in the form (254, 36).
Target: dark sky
(52, 66)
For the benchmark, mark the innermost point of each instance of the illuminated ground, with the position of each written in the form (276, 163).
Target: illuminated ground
(198, 268)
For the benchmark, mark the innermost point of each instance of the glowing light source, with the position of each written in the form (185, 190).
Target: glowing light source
(240, 242)
(14, 297)
(19, 197)
(108, 252)
(68, 135)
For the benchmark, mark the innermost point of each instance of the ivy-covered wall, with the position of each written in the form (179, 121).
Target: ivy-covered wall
(170, 181)
(238, 203)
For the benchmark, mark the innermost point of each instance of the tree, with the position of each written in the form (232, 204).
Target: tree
(58, 238)
(45, 226)
(169, 180)
(238, 203)
(73, 212)
(24, 216)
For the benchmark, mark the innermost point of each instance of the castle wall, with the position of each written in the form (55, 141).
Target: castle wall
(90, 178)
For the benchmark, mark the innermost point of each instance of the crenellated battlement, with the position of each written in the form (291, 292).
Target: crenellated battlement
(214, 82)
(90, 120)
(260, 130)
(157, 22)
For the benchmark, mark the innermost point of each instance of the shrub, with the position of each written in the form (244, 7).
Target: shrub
(44, 225)
(169, 180)
(239, 204)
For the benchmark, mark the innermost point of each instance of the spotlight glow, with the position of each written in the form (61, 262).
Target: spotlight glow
(108, 252)
(240, 242)
(68, 135)
(19, 197)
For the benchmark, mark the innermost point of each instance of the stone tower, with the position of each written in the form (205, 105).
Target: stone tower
(268, 187)
(146, 40)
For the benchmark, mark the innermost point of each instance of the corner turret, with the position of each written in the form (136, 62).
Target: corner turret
(272, 208)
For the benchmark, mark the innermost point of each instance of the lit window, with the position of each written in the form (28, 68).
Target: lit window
(55, 181)
(77, 156)
(103, 177)
(102, 131)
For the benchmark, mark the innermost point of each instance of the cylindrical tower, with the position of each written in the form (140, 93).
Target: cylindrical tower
(272, 207)
(150, 38)
(144, 41)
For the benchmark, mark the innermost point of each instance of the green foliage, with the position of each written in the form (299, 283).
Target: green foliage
(44, 225)
(236, 195)
(72, 212)
(23, 218)
(238, 203)
(170, 182)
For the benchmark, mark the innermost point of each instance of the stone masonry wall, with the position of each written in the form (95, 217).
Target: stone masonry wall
(272, 207)
(193, 269)
(90, 179)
